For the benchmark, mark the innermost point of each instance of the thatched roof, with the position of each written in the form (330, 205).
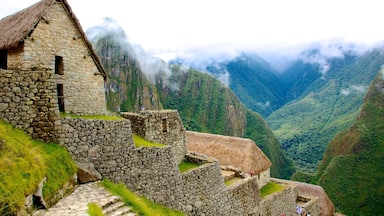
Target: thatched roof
(230, 151)
(18, 26)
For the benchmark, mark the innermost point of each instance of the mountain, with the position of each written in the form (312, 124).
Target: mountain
(137, 81)
(352, 169)
(254, 80)
(325, 105)
(206, 105)
(127, 88)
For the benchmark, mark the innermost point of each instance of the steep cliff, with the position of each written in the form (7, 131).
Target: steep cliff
(127, 88)
(352, 169)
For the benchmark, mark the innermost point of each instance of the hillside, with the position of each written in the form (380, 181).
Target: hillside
(206, 105)
(254, 81)
(326, 106)
(127, 88)
(203, 102)
(352, 169)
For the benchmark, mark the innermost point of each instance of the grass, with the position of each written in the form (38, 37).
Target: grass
(139, 204)
(99, 117)
(24, 163)
(231, 181)
(187, 165)
(271, 188)
(94, 210)
(141, 142)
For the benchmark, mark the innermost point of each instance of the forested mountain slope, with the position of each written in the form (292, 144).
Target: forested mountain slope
(328, 105)
(127, 88)
(352, 170)
(204, 103)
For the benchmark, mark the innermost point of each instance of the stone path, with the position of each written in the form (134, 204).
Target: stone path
(76, 203)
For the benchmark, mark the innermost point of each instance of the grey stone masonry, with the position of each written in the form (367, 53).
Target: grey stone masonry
(164, 126)
(106, 144)
(282, 202)
(244, 197)
(28, 101)
(56, 36)
(204, 191)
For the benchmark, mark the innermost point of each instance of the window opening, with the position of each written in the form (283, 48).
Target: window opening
(165, 125)
(3, 59)
(60, 97)
(59, 65)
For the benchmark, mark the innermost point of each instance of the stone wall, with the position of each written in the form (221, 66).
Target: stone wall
(153, 172)
(109, 146)
(310, 204)
(244, 197)
(204, 191)
(164, 126)
(28, 101)
(106, 144)
(57, 35)
(263, 178)
(282, 202)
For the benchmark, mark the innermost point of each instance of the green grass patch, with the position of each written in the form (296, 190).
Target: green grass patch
(98, 117)
(233, 180)
(139, 204)
(141, 142)
(187, 165)
(94, 210)
(24, 163)
(271, 188)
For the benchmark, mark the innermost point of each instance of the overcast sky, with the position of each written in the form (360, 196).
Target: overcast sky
(193, 24)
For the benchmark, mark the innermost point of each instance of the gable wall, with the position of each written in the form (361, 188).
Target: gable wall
(55, 35)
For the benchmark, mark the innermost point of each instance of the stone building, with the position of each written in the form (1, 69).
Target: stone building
(48, 37)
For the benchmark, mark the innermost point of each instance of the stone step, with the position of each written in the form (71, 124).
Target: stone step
(123, 211)
(117, 208)
(110, 207)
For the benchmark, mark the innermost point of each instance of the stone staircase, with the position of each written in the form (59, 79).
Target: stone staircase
(117, 208)
(76, 204)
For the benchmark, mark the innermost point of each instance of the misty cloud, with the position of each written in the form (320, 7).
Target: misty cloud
(321, 52)
(354, 88)
(264, 105)
(151, 66)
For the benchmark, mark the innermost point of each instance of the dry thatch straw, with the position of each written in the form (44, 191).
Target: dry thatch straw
(230, 151)
(15, 28)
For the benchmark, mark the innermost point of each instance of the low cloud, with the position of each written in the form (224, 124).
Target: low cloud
(151, 66)
(321, 52)
(354, 88)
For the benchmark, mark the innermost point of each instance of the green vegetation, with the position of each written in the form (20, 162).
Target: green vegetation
(324, 108)
(23, 165)
(352, 170)
(271, 188)
(187, 165)
(94, 210)
(128, 89)
(141, 142)
(99, 117)
(139, 204)
(232, 180)
(204, 103)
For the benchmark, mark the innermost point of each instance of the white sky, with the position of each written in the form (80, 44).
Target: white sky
(187, 24)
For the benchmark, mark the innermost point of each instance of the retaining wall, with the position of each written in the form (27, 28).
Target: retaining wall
(204, 191)
(244, 197)
(28, 101)
(282, 202)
